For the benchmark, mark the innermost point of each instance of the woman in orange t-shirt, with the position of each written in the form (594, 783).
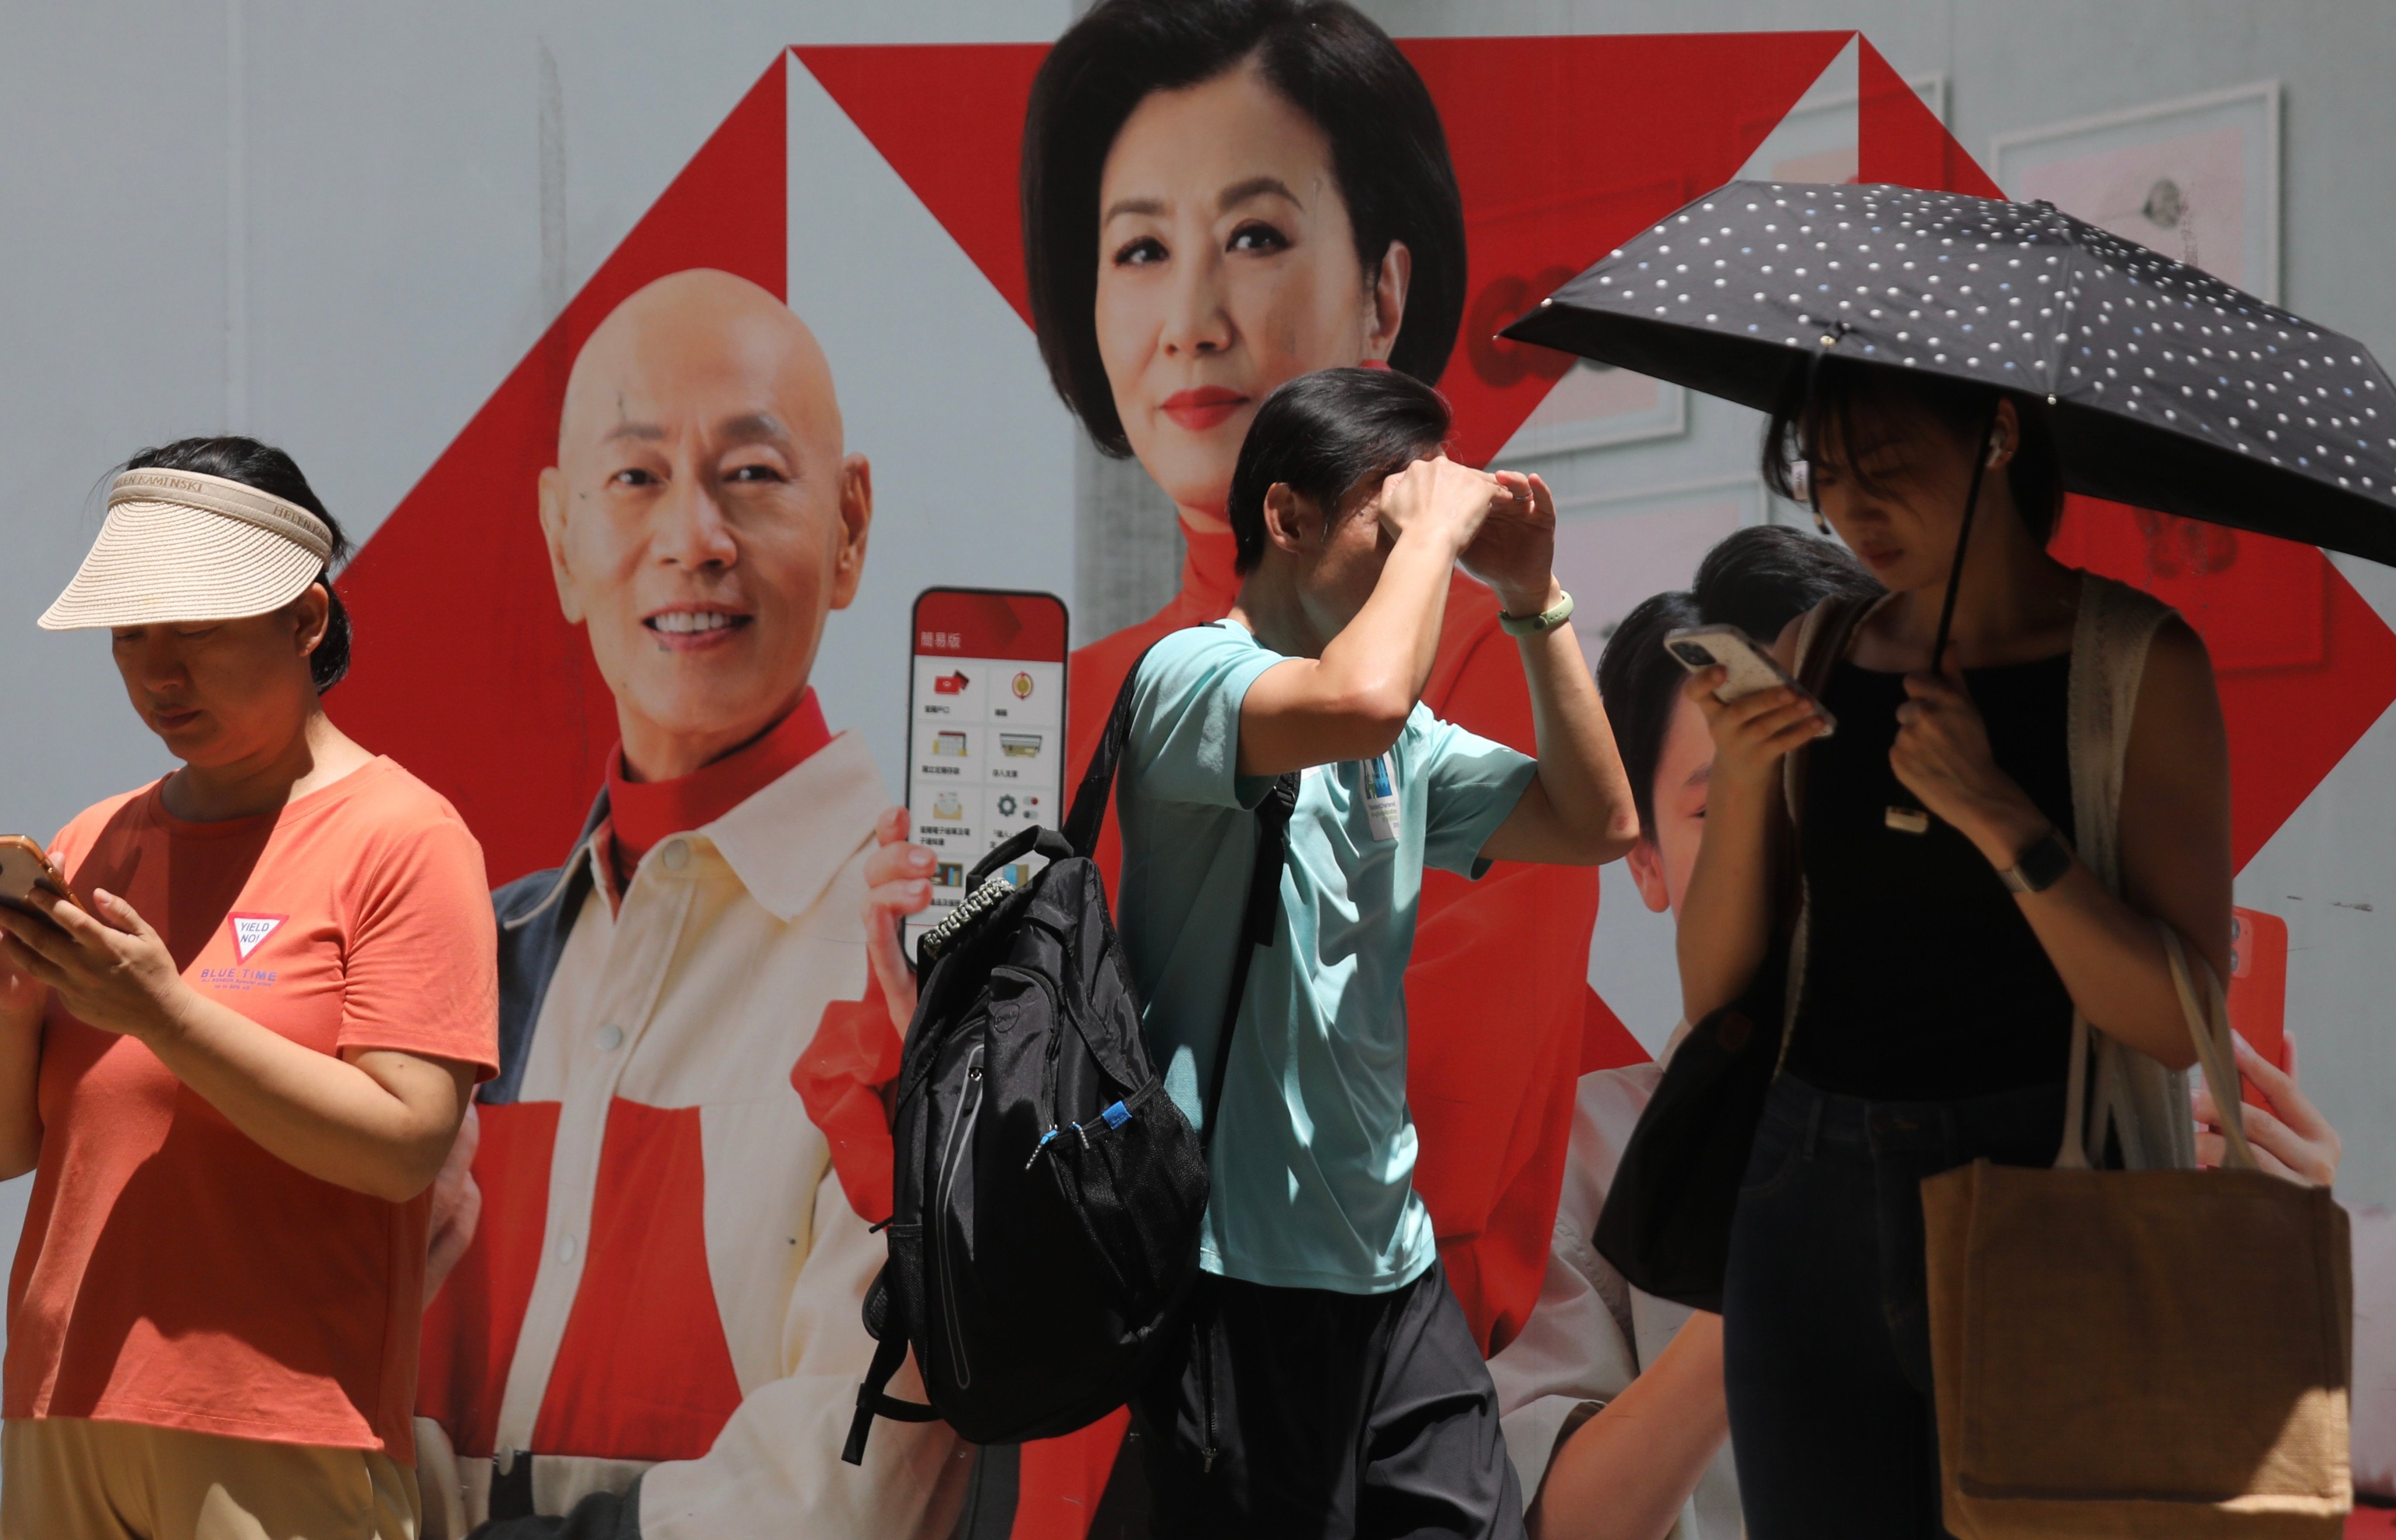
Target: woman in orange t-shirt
(235, 1058)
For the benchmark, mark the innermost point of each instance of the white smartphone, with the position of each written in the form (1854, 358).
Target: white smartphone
(1750, 668)
(986, 754)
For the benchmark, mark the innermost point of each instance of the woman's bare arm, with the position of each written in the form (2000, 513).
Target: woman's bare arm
(1727, 919)
(377, 1121)
(2174, 840)
(1627, 1472)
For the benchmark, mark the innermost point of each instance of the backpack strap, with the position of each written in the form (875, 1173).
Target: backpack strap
(1256, 924)
(873, 1399)
(1088, 817)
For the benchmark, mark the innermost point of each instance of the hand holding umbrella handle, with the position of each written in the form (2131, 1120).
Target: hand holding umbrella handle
(1905, 817)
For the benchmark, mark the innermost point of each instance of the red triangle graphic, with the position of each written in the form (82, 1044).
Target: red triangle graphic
(2305, 665)
(1563, 147)
(1900, 141)
(467, 674)
(949, 118)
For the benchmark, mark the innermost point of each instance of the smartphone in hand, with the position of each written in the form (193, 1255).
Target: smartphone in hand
(25, 865)
(986, 719)
(1750, 667)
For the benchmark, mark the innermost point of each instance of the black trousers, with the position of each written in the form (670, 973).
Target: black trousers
(1304, 1412)
(1826, 1332)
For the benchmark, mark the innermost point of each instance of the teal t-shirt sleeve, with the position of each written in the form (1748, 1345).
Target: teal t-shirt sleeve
(1185, 725)
(1473, 784)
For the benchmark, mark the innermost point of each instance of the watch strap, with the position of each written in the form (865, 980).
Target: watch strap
(1535, 625)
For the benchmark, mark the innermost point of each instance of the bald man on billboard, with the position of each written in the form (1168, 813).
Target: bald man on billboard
(655, 1327)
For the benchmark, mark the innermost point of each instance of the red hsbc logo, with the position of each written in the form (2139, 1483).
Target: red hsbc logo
(250, 930)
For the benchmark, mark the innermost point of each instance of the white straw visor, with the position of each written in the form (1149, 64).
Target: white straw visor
(180, 546)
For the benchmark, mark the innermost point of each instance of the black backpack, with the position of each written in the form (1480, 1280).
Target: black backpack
(1048, 1192)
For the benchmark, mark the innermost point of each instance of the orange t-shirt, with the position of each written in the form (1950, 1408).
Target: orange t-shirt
(172, 1271)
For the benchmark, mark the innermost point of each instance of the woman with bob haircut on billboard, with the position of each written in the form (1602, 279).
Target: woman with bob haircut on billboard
(1220, 195)
(235, 1056)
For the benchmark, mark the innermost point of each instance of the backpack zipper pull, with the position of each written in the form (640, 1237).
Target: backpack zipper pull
(1041, 1146)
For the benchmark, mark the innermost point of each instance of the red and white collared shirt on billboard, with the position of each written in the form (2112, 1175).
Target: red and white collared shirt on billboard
(667, 1278)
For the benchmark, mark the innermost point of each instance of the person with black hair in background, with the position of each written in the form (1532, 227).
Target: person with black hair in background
(235, 1059)
(1612, 1399)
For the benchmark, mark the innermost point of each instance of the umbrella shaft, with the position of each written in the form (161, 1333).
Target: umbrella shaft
(1905, 817)
(1962, 539)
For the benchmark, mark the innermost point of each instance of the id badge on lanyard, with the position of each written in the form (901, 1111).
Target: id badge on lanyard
(1381, 786)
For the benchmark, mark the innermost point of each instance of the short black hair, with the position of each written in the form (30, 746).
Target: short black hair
(1389, 155)
(272, 471)
(1857, 401)
(1759, 579)
(1763, 577)
(1639, 681)
(1322, 435)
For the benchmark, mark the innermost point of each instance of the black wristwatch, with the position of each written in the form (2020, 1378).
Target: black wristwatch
(2040, 867)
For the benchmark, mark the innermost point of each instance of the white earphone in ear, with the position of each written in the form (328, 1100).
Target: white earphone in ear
(1996, 453)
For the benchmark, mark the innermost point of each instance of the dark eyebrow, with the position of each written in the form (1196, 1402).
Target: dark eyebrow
(1131, 206)
(1254, 187)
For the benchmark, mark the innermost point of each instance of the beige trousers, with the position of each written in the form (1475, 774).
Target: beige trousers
(72, 1478)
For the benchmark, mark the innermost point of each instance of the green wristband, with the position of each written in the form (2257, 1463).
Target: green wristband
(1536, 625)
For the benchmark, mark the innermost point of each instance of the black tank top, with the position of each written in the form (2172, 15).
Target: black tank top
(1923, 980)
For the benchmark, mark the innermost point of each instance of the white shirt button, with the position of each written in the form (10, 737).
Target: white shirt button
(611, 1037)
(677, 855)
(566, 1248)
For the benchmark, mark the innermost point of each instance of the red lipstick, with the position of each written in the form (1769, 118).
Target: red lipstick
(1207, 406)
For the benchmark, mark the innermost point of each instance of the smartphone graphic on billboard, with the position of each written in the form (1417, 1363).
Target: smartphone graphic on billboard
(986, 711)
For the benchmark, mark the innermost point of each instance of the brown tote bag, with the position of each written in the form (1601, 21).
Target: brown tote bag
(2141, 1353)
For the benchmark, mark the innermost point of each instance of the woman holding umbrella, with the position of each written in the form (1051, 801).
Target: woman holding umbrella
(2023, 813)
(1943, 968)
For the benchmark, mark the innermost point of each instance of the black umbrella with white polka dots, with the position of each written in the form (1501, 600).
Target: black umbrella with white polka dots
(2170, 390)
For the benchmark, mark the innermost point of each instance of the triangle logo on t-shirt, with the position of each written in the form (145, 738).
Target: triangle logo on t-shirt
(250, 930)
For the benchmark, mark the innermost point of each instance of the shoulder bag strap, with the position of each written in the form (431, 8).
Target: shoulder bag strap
(1822, 641)
(2117, 1100)
(2208, 1028)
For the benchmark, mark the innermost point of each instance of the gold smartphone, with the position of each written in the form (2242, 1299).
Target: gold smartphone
(25, 865)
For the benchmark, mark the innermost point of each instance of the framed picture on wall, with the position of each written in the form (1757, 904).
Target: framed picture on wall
(2196, 179)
